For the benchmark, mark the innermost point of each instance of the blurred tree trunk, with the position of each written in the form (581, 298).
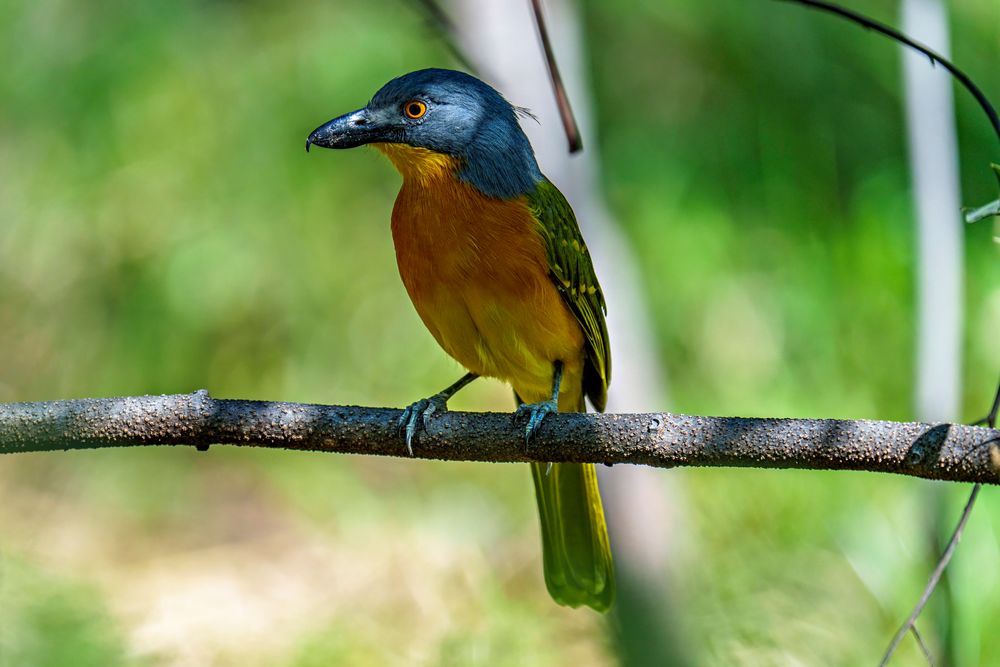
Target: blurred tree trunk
(501, 40)
(933, 152)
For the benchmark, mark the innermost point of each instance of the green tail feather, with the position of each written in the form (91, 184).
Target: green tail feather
(575, 547)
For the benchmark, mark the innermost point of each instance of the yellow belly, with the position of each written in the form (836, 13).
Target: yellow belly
(476, 271)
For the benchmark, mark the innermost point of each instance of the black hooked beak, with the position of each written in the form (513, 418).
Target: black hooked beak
(347, 131)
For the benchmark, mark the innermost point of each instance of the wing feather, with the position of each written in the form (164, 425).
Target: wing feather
(572, 271)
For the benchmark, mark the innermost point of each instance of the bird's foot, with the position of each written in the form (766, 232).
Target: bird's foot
(534, 413)
(415, 416)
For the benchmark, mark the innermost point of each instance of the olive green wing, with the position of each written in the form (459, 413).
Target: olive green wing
(572, 271)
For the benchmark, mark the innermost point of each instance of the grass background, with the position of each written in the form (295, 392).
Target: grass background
(161, 230)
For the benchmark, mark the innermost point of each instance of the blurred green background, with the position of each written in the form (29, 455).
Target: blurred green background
(161, 230)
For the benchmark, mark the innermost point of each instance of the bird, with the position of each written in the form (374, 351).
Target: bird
(492, 258)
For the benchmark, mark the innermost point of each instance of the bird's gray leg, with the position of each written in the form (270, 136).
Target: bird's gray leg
(414, 417)
(535, 412)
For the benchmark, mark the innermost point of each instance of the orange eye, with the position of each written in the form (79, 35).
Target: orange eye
(414, 109)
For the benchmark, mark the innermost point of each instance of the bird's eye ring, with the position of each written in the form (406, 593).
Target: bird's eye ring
(414, 109)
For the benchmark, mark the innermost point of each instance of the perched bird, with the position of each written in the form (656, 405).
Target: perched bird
(493, 260)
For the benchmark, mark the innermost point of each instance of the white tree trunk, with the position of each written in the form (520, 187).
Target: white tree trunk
(933, 150)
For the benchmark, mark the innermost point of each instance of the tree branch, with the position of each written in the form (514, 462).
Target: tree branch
(936, 451)
(934, 57)
(572, 130)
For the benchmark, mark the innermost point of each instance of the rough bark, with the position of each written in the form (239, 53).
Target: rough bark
(942, 451)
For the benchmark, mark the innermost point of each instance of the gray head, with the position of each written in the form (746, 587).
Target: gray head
(446, 112)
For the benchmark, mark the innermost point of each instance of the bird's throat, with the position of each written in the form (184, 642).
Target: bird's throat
(419, 164)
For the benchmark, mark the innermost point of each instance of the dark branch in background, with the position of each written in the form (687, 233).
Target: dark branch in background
(909, 625)
(936, 451)
(991, 209)
(439, 20)
(934, 56)
(558, 89)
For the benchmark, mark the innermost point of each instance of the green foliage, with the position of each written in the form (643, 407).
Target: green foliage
(51, 622)
(161, 230)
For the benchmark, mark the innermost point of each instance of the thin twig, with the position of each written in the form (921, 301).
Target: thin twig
(991, 417)
(558, 89)
(989, 210)
(986, 211)
(922, 644)
(935, 577)
(934, 56)
(910, 623)
(439, 20)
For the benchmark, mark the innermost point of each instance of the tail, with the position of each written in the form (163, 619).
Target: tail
(575, 546)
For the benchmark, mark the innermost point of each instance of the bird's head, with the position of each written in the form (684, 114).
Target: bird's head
(447, 117)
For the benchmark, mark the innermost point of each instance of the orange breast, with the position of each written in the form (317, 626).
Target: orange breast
(476, 271)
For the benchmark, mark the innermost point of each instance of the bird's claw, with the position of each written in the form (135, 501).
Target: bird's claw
(415, 416)
(534, 413)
